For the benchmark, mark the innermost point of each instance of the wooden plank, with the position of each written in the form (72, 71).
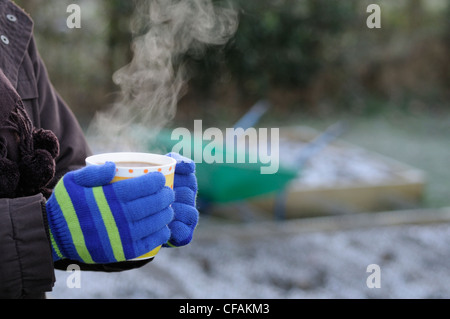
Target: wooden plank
(331, 201)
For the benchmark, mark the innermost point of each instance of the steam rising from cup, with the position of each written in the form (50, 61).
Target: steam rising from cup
(154, 81)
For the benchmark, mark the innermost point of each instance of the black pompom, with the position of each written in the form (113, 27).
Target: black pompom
(9, 178)
(46, 140)
(36, 171)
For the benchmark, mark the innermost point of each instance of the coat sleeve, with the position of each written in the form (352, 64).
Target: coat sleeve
(26, 265)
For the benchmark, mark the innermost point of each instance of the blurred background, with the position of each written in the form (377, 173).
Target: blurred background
(317, 64)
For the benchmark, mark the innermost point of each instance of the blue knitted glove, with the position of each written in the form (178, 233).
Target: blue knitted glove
(95, 222)
(186, 214)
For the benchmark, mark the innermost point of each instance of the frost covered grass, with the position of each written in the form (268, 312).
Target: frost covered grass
(414, 263)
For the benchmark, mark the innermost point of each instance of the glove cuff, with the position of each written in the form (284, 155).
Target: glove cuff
(59, 233)
(56, 254)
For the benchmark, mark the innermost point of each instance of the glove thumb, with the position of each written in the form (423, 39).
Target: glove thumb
(95, 175)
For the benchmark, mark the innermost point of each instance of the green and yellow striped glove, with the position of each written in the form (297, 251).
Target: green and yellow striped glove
(95, 222)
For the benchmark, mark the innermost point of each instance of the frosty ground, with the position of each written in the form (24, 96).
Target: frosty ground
(310, 258)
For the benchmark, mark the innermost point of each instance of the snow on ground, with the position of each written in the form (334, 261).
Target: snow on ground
(414, 261)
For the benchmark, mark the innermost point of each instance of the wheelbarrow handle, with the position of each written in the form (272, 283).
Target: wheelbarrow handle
(253, 115)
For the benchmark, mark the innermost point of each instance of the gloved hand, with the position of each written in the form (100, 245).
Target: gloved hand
(186, 214)
(95, 222)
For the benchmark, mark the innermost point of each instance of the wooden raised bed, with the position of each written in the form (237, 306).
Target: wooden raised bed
(395, 186)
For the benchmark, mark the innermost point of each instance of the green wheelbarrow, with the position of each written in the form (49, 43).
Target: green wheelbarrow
(229, 181)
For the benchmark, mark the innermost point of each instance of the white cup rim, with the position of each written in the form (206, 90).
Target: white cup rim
(161, 160)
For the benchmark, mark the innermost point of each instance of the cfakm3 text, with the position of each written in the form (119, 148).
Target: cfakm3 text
(229, 308)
